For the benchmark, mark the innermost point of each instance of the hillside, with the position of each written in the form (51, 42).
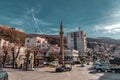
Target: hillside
(14, 35)
(104, 40)
(52, 39)
(107, 39)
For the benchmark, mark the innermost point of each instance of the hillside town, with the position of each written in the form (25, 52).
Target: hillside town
(59, 40)
(38, 54)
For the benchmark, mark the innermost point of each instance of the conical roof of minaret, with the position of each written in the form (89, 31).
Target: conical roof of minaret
(61, 27)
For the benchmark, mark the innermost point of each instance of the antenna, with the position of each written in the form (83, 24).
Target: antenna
(79, 28)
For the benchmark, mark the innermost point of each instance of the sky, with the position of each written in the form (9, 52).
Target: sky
(98, 18)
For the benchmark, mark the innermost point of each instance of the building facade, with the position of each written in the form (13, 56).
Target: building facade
(77, 40)
(36, 42)
(3, 42)
(71, 56)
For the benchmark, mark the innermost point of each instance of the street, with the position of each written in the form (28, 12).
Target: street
(77, 73)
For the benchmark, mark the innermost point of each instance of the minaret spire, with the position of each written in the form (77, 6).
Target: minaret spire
(61, 43)
(61, 28)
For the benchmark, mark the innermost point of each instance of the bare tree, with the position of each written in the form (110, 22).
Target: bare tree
(53, 56)
(14, 57)
(35, 54)
(5, 50)
(18, 52)
(35, 51)
(14, 65)
(27, 59)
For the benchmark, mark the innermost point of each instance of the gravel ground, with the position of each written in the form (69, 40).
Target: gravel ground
(77, 73)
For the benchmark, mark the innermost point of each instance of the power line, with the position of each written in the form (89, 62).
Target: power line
(35, 22)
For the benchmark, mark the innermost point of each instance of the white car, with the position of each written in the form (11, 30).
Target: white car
(83, 65)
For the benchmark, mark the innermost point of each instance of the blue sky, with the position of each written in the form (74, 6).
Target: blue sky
(98, 18)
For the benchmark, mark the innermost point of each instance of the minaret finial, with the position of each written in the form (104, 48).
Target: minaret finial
(61, 21)
(79, 28)
(61, 28)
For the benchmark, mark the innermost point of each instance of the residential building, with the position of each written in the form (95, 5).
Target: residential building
(35, 41)
(39, 45)
(53, 49)
(21, 59)
(117, 50)
(71, 55)
(3, 42)
(77, 40)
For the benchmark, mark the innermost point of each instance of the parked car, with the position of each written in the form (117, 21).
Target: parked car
(105, 66)
(3, 75)
(82, 65)
(1, 66)
(64, 68)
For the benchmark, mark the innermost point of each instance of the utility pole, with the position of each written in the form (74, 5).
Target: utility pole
(61, 44)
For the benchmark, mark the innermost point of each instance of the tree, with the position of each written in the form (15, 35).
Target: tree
(53, 56)
(35, 52)
(27, 59)
(14, 57)
(17, 55)
(5, 50)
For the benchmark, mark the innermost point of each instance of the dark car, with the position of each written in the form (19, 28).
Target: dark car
(64, 68)
(3, 75)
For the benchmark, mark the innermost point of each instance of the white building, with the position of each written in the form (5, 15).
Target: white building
(71, 55)
(77, 40)
(36, 42)
(117, 50)
(3, 42)
(21, 59)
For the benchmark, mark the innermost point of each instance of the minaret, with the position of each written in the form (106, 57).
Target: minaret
(61, 44)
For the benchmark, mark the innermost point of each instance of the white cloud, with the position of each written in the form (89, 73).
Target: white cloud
(41, 22)
(115, 12)
(54, 29)
(17, 22)
(33, 13)
(111, 29)
(21, 30)
(55, 33)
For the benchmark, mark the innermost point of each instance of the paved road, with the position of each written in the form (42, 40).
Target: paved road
(77, 73)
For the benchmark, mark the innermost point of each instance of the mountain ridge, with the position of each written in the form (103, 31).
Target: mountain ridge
(13, 35)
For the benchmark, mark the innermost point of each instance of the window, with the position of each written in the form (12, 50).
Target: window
(29, 61)
(84, 35)
(78, 35)
(44, 42)
(28, 41)
(5, 43)
(42, 45)
(38, 41)
(72, 35)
